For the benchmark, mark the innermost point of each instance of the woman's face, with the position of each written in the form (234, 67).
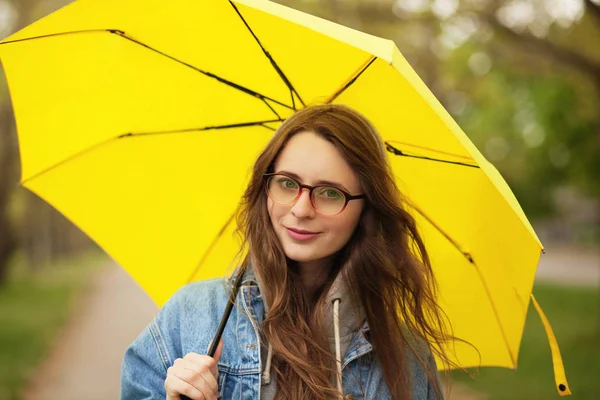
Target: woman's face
(311, 159)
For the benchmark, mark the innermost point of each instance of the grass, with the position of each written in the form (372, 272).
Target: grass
(33, 308)
(574, 314)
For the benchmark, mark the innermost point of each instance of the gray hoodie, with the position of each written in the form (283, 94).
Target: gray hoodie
(342, 331)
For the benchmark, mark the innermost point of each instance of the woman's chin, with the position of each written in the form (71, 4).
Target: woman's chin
(301, 255)
(300, 258)
(304, 255)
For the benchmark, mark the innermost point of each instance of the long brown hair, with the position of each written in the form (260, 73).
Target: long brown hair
(385, 264)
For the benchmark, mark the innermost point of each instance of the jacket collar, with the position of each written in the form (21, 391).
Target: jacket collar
(253, 299)
(248, 278)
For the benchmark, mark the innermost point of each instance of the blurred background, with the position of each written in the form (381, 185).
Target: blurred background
(521, 77)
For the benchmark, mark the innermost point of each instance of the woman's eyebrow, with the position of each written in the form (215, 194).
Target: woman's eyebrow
(318, 183)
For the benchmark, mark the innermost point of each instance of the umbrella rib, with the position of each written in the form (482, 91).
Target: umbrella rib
(207, 128)
(469, 258)
(54, 35)
(352, 79)
(272, 109)
(397, 152)
(271, 59)
(133, 134)
(209, 74)
(495, 310)
(429, 149)
(210, 248)
(454, 243)
(206, 73)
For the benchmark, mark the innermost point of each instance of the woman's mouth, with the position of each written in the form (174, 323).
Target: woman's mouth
(300, 234)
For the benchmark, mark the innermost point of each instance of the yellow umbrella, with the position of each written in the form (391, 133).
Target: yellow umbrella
(140, 120)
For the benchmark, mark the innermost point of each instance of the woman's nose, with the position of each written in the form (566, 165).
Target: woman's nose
(303, 207)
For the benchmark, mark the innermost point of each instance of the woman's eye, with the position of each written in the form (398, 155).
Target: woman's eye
(330, 193)
(288, 183)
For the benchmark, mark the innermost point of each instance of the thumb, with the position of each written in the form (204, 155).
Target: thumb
(216, 357)
(218, 351)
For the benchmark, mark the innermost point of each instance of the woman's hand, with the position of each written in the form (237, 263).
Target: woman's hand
(194, 376)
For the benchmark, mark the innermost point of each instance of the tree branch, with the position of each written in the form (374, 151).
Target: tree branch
(8, 241)
(384, 13)
(593, 9)
(548, 49)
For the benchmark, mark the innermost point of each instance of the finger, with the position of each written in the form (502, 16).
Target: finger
(217, 357)
(201, 360)
(202, 370)
(204, 360)
(219, 350)
(174, 386)
(204, 381)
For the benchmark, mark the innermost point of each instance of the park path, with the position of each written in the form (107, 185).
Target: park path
(85, 361)
(570, 266)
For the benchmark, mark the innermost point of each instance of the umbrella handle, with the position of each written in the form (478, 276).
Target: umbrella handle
(215, 342)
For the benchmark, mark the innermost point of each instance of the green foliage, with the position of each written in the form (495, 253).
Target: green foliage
(533, 130)
(574, 314)
(33, 308)
(528, 97)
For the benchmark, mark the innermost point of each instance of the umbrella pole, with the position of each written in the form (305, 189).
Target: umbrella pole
(234, 291)
(215, 342)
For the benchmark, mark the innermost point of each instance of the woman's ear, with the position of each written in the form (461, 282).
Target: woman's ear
(367, 220)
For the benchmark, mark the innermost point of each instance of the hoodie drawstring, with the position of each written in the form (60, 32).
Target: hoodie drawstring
(338, 351)
(266, 376)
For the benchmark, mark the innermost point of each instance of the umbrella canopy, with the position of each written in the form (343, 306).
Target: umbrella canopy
(140, 121)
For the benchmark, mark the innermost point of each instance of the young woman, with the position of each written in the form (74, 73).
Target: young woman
(337, 296)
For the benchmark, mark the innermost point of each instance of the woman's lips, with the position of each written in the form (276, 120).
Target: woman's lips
(298, 234)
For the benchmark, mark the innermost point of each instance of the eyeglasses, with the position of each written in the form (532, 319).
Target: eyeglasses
(327, 200)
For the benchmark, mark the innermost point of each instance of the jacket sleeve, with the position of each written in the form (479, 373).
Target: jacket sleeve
(144, 367)
(145, 364)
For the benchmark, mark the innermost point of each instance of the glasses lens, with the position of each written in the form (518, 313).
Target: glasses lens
(282, 189)
(328, 200)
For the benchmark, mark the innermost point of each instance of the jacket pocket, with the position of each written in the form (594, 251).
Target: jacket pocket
(227, 385)
(234, 385)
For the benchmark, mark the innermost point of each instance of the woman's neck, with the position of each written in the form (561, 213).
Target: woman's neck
(314, 273)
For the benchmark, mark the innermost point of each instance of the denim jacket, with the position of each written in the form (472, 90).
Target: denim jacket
(187, 323)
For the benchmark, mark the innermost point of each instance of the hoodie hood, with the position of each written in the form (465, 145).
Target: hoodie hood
(343, 317)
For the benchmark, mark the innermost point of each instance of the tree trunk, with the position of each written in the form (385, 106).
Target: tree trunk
(8, 181)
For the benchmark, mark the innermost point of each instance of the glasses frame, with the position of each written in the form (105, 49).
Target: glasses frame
(347, 196)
